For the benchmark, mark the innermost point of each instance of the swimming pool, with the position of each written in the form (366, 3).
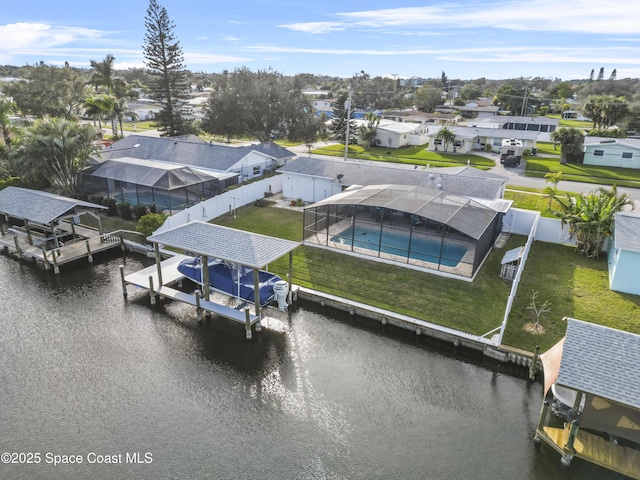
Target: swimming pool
(397, 243)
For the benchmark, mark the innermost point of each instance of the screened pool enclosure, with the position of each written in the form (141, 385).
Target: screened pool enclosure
(169, 186)
(418, 226)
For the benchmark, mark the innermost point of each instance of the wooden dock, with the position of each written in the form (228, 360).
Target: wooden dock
(595, 449)
(32, 245)
(147, 278)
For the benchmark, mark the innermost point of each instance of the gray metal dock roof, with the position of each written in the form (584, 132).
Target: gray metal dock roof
(601, 361)
(228, 244)
(39, 207)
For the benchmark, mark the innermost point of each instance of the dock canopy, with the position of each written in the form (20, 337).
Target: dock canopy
(41, 207)
(224, 243)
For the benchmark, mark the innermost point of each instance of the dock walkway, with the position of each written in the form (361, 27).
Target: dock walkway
(147, 278)
(595, 449)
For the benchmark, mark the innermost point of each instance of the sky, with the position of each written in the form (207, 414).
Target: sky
(564, 39)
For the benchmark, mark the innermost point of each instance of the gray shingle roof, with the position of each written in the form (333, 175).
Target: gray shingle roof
(627, 231)
(190, 151)
(466, 181)
(601, 361)
(39, 207)
(224, 243)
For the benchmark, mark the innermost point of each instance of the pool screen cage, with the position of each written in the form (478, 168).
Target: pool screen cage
(412, 225)
(145, 182)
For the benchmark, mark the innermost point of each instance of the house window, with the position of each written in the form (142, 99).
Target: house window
(544, 128)
(256, 170)
(598, 153)
(457, 143)
(627, 154)
(437, 141)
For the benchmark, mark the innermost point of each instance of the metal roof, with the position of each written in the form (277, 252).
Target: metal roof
(463, 214)
(467, 181)
(189, 151)
(151, 173)
(512, 255)
(224, 243)
(601, 361)
(39, 207)
(627, 231)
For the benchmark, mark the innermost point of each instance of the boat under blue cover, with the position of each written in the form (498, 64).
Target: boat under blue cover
(232, 280)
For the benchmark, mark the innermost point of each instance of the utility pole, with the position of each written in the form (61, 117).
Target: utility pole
(524, 102)
(346, 138)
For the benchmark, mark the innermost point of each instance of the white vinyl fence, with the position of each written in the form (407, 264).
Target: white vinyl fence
(224, 203)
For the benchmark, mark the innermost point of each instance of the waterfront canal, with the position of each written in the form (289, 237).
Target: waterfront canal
(90, 374)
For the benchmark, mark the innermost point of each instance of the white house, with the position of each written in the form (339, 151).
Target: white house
(390, 134)
(543, 126)
(624, 254)
(314, 179)
(323, 106)
(467, 139)
(612, 152)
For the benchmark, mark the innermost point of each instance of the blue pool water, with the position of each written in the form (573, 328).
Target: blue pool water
(398, 244)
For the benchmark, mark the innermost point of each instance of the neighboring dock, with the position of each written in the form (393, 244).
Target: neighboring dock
(45, 227)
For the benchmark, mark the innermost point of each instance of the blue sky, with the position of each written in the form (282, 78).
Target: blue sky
(465, 39)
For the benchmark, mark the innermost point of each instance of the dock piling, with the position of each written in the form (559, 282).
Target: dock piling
(124, 284)
(152, 294)
(247, 316)
(533, 368)
(198, 308)
(90, 257)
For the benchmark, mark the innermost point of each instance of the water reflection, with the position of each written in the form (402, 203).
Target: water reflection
(311, 396)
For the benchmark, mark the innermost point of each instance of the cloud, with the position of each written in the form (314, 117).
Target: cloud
(34, 37)
(229, 38)
(198, 58)
(315, 27)
(578, 16)
(203, 37)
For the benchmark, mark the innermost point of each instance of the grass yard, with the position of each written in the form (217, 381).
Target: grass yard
(582, 125)
(576, 286)
(533, 199)
(411, 155)
(623, 177)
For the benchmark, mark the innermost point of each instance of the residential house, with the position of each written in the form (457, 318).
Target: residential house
(612, 152)
(624, 254)
(314, 179)
(323, 107)
(185, 166)
(543, 126)
(391, 134)
(411, 115)
(467, 139)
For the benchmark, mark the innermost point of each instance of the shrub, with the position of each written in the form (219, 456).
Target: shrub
(97, 199)
(149, 223)
(112, 206)
(125, 210)
(140, 210)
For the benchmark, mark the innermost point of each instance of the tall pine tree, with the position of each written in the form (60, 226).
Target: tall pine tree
(164, 59)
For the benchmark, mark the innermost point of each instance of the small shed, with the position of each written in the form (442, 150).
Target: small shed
(591, 408)
(510, 263)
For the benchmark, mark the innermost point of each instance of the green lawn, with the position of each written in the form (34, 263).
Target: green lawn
(411, 155)
(624, 177)
(572, 123)
(532, 199)
(576, 286)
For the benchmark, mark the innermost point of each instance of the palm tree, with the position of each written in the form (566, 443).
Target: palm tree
(368, 131)
(552, 192)
(121, 110)
(54, 150)
(591, 217)
(447, 137)
(571, 140)
(103, 74)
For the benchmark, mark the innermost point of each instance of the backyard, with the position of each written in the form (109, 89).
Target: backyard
(574, 285)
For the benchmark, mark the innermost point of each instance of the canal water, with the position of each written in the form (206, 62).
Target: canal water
(89, 376)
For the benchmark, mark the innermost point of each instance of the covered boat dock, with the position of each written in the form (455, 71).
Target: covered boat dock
(46, 227)
(591, 408)
(211, 241)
